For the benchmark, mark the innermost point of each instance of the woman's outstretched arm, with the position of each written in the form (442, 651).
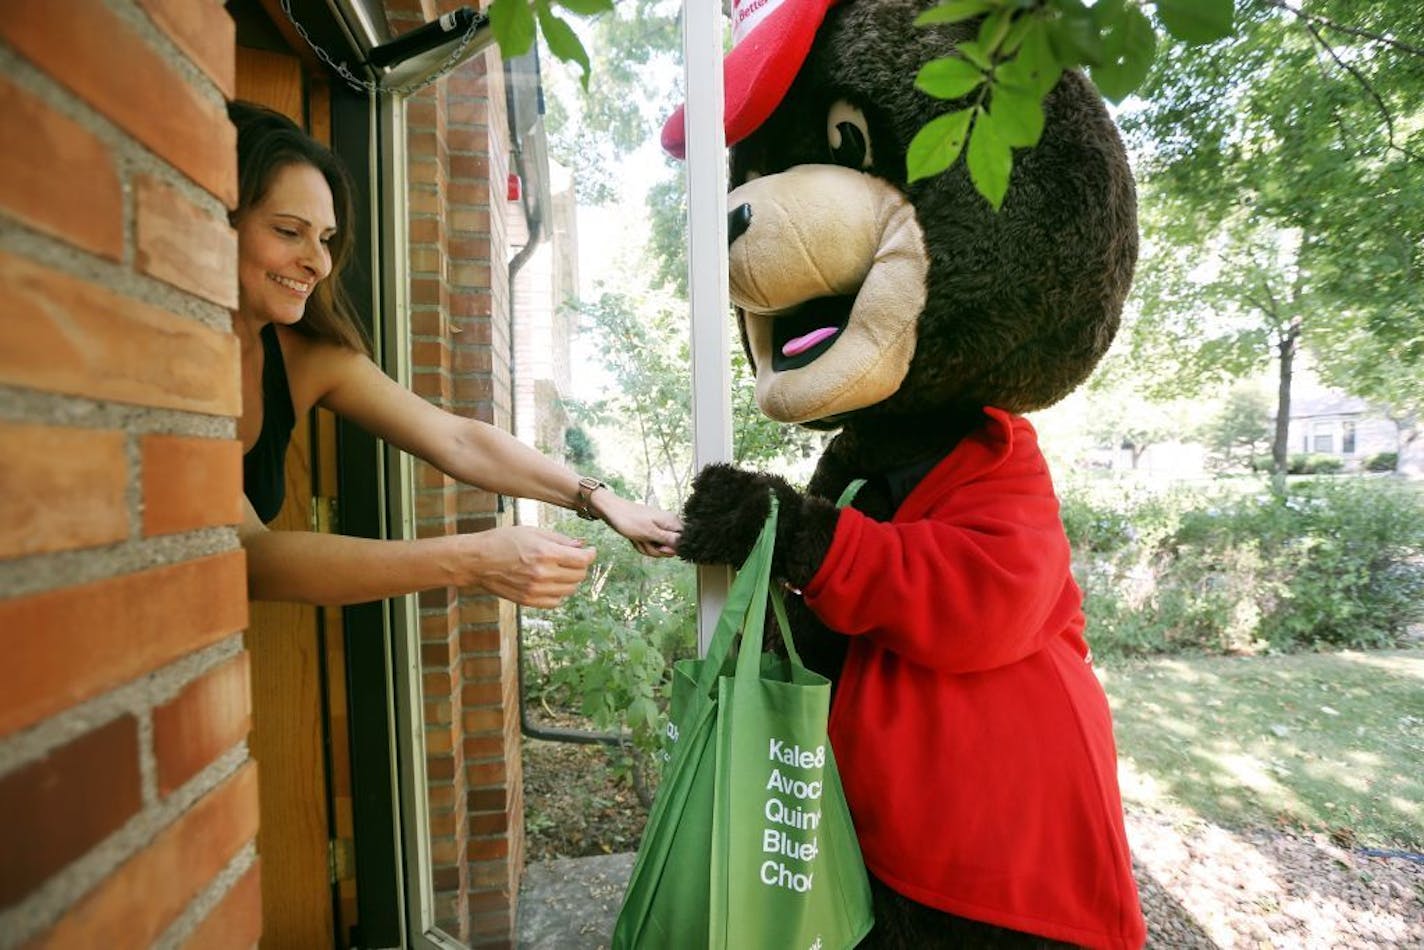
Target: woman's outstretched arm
(530, 566)
(472, 451)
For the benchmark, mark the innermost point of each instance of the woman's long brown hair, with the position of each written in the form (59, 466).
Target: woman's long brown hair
(267, 142)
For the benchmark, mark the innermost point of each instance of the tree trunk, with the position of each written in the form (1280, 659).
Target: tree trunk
(1280, 445)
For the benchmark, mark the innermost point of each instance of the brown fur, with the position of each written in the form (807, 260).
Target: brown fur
(1023, 301)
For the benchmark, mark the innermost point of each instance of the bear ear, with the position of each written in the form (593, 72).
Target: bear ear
(770, 40)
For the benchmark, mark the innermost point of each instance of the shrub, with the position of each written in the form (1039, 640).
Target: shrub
(1314, 465)
(1382, 462)
(1095, 529)
(1338, 564)
(607, 652)
(1326, 465)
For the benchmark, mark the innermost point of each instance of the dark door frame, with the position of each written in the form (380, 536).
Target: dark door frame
(360, 460)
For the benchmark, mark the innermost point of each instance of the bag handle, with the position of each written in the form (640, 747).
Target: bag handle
(849, 494)
(778, 605)
(744, 612)
(754, 628)
(778, 601)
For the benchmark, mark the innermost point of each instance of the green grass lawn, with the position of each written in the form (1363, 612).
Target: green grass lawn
(1324, 742)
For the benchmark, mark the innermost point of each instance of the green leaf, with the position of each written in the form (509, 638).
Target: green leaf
(1018, 116)
(990, 160)
(563, 41)
(1107, 12)
(1035, 69)
(976, 54)
(586, 7)
(637, 652)
(1075, 39)
(949, 78)
(993, 31)
(935, 147)
(1196, 21)
(953, 11)
(1017, 32)
(643, 715)
(512, 22)
(1128, 48)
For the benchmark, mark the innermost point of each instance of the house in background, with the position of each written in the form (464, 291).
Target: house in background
(1340, 425)
(1325, 421)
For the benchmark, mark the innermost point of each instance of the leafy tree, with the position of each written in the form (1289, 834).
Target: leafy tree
(634, 85)
(1268, 161)
(643, 344)
(667, 238)
(1240, 429)
(1120, 418)
(1373, 344)
(579, 450)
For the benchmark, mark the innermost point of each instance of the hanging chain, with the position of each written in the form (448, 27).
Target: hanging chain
(366, 85)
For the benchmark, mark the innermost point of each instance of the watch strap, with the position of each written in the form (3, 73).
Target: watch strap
(587, 485)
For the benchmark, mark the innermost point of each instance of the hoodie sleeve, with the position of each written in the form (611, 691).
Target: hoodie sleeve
(977, 580)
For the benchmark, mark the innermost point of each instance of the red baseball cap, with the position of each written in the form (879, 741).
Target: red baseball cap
(770, 40)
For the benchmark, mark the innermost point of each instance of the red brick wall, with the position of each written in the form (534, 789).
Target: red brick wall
(128, 804)
(460, 352)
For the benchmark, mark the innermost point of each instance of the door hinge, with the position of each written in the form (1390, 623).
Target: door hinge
(341, 863)
(323, 515)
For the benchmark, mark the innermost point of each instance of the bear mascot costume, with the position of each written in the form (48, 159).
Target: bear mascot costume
(973, 738)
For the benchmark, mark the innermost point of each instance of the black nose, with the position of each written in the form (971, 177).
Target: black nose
(738, 220)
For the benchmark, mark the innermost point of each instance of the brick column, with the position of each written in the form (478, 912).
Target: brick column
(128, 804)
(457, 145)
(484, 389)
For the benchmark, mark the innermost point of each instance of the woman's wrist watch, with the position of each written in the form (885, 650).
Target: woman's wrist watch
(587, 485)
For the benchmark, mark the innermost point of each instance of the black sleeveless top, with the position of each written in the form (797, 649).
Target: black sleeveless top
(264, 476)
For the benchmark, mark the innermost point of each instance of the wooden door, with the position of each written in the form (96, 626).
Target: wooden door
(297, 652)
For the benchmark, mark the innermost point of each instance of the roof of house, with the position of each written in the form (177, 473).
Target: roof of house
(1327, 403)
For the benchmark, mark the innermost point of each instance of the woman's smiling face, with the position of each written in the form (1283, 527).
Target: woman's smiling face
(282, 245)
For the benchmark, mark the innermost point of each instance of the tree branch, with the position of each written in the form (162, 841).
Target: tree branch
(1366, 85)
(1311, 18)
(1266, 304)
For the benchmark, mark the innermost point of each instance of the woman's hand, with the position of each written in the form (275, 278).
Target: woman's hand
(652, 531)
(530, 566)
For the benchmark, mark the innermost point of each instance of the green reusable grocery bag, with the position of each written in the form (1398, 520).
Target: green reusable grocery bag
(750, 842)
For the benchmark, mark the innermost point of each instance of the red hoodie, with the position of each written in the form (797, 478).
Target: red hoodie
(974, 741)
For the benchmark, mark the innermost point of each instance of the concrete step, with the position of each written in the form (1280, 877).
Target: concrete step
(571, 903)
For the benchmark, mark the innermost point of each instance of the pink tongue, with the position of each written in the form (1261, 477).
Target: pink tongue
(803, 343)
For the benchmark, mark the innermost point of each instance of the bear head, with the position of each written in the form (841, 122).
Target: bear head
(863, 297)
